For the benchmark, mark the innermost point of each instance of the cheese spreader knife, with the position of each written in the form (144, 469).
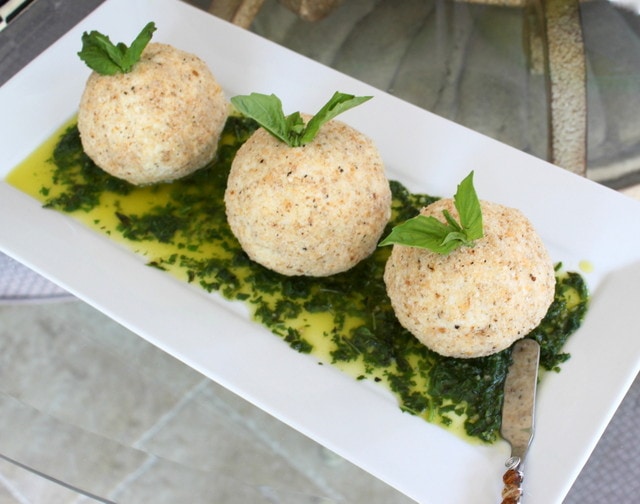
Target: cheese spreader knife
(518, 411)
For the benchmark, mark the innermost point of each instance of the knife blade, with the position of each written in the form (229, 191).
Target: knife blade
(518, 412)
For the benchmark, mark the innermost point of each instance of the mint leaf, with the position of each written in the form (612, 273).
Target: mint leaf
(338, 104)
(106, 58)
(132, 54)
(468, 207)
(443, 237)
(294, 125)
(100, 54)
(267, 111)
(423, 232)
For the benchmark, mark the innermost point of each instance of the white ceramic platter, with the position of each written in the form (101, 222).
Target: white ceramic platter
(578, 220)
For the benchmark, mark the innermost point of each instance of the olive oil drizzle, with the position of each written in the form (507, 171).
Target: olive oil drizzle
(344, 319)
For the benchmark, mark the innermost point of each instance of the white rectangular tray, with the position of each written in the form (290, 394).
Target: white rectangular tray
(578, 220)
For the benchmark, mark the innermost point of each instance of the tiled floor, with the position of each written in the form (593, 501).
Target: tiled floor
(74, 370)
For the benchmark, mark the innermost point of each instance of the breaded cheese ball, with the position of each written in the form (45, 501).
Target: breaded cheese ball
(313, 210)
(157, 123)
(475, 301)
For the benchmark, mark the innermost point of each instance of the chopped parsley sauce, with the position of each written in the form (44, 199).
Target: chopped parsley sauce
(344, 319)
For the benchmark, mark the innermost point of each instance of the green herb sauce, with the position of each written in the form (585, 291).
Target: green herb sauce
(345, 319)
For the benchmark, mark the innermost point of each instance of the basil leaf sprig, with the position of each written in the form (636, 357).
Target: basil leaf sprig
(443, 237)
(106, 58)
(267, 111)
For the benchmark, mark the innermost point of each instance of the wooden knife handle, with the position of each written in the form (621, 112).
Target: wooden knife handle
(512, 479)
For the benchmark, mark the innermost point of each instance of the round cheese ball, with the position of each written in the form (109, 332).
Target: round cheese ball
(313, 210)
(159, 122)
(474, 301)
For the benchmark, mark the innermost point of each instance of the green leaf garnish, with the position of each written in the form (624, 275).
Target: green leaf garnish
(443, 237)
(101, 55)
(267, 111)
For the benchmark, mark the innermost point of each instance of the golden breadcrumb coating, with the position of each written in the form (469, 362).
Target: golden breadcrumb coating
(474, 301)
(313, 210)
(157, 123)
